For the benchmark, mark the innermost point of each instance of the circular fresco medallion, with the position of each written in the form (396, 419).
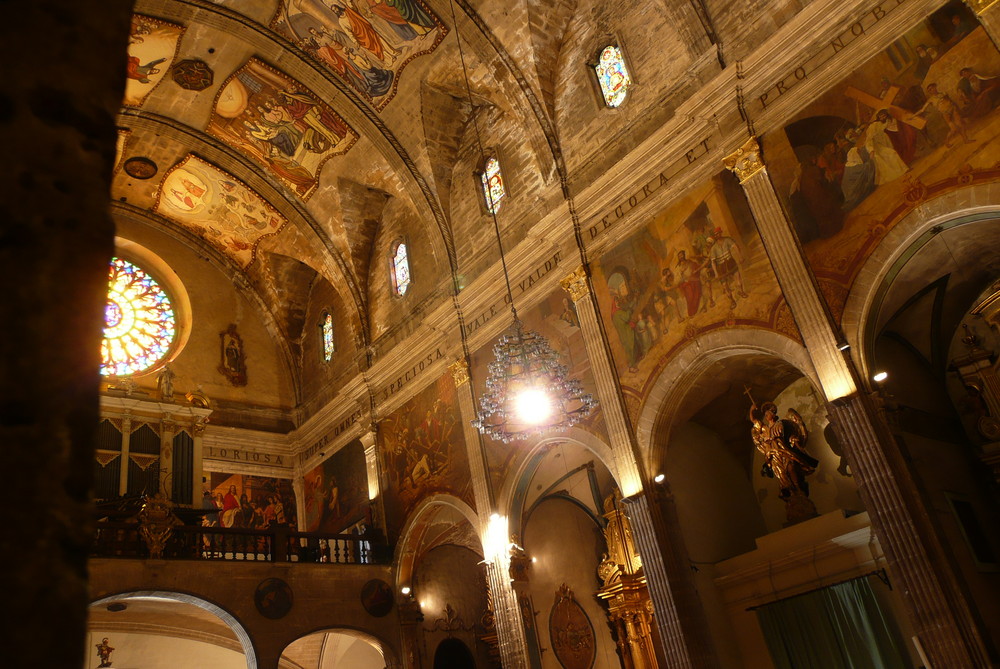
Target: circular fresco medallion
(273, 598)
(376, 597)
(140, 168)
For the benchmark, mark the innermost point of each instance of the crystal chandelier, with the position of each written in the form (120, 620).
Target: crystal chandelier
(528, 390)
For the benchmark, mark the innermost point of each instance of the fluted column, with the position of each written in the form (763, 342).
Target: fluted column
(373, 467)
(495, 533)
(945, 627)
(988, 12)
(168, 428)
(126, 438)
(679, 615)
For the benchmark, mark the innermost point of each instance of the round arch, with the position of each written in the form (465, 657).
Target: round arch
(512, 494)
(412, 534)
(225, 616)
(911, 233)
(387, 651)
(670, 387)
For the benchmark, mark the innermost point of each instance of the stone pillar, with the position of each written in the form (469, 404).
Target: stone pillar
(58, 135)
(941, 616)
(168, 428)
(410, 618)
(373, 467)
(198, 455)
(126, 438)
(680, 619)
(988, 13)
(494, 531)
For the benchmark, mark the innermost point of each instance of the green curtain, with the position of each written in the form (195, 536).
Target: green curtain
(839, 627)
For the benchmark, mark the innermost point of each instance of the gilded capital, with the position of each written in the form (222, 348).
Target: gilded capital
(745, 161)
(576, 284)
(980, 6)
(459, 372)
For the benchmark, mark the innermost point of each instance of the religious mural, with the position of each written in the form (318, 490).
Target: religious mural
(424, 451)
(256, 502)
(219, 207)
(336, 491)
(697, 266)
(915, 121)
(367, 43)
(554, 318)
(279, 123)
(152, 45)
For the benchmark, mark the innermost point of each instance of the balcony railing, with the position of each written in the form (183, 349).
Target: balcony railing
(279, 544)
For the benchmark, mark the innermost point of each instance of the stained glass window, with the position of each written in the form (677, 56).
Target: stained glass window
(139, 323)
(400, 269)
(326, 329)
(613, 76)
(493, 190)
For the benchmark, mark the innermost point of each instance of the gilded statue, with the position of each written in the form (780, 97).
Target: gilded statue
(782, 442)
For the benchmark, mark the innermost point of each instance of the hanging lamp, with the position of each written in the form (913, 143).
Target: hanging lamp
(528, 389)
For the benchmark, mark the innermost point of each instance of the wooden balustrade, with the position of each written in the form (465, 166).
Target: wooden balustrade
(278, 544)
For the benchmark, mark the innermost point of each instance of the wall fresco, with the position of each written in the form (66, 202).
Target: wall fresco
(916, 120)
(424, 452)
(697, 266)
(257, 502)
(152, 45)
(336, 491)
(279, 123)
(219, 207)
(367, 43)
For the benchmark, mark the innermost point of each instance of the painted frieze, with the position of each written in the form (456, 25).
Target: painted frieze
(152, 46)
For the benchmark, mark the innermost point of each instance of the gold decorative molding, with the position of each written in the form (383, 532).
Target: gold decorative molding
(745, 161)
(575, 283)
(459, 372)
(980, 6)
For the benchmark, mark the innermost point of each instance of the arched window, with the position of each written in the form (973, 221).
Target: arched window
(612, 75)
(400, 269)
(139, 323)
(493, 188)
(326, 336)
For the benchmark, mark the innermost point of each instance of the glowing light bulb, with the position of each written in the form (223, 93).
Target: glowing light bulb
(659, 478)
(533, 406)
(405, 590)
(880, 377)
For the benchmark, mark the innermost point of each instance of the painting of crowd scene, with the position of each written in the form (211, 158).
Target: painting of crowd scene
(280, 124)
(915, 120)
(424, 451)
(336, 491)
(366, 43)
(697, 266)
(251, 502)
(555, 318)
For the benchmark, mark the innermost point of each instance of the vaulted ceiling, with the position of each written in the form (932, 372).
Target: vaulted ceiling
(290, 142)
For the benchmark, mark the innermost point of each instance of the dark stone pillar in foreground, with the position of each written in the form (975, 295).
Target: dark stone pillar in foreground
(63, 81)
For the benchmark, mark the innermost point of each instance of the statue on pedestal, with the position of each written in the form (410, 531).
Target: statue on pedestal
(781, 441)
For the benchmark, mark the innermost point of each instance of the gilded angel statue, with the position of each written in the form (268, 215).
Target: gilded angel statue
(782, 443)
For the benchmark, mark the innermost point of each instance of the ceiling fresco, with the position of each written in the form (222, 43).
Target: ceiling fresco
(218, 207)
(279, 123)
(366, 43)
(152, 45)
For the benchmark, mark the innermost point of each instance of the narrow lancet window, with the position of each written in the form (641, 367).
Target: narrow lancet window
(326, 330)
(493, 189)
(400, 270)
(613, 76)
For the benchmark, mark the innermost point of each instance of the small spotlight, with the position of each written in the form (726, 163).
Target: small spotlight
(495, 517)
(844, 347)
(880, 377)
(659, 478)
(534, 559)
(405, 590)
